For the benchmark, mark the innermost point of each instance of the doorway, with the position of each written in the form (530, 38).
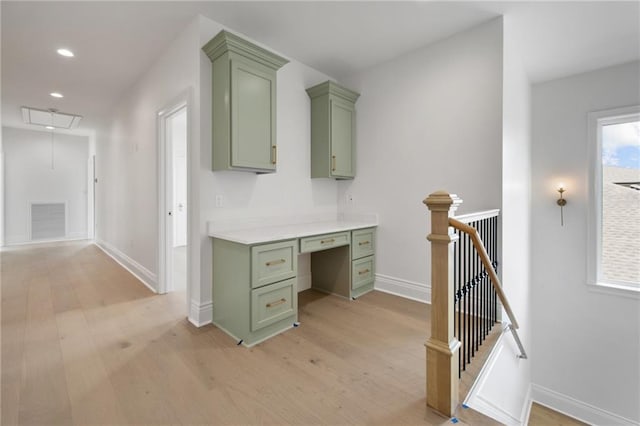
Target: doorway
(173, 198)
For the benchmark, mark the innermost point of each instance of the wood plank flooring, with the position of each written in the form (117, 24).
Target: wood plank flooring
(544, 416)
(84, 342)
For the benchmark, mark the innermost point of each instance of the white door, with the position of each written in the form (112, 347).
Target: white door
(179, 158)
(174, 203)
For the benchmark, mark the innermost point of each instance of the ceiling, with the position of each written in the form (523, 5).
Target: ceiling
(116, 42)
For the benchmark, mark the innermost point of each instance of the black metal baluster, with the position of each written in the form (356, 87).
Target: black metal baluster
(478, 296)
(456, 286)
(479, 274)
(474, 301)
(467, 313)
(487, 287)
(487, 282)
(464, 296)
(483, 288)
(459, 296)
(495, 257)
(461, 303)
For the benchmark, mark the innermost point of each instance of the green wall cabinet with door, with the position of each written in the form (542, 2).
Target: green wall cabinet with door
(333, 130)
(244, 104)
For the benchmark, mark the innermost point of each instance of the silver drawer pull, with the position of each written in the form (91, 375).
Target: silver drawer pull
(366, 271)
(363, 243)
(275, 262)
(276, 303)
(330, 240)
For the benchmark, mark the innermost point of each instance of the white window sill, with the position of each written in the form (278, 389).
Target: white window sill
(631, 291)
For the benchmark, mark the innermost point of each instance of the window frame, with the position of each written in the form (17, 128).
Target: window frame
(596, 120)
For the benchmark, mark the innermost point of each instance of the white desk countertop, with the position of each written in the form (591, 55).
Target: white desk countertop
(269, 233)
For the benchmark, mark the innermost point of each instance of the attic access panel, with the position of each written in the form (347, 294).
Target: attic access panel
(59, 120)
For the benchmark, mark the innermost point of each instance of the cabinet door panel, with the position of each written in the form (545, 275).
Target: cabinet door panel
(273, 303)
(363, 243)
(253, 100)
(323, 242)
(273, 262)
(362, 272)
(342, 122)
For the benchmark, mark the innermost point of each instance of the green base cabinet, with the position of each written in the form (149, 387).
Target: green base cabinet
(243, 104)
(333, 130)
(255, 294)
(363, 265)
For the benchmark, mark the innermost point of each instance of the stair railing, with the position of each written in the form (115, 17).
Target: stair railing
(476, 308)
(497, 285)
(442, 347)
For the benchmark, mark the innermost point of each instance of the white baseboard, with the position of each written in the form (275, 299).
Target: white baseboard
(23, 241)
(145, 276)
(577, 409)
(200, 313)
(526, 409)
(403, 288)
(15, 240)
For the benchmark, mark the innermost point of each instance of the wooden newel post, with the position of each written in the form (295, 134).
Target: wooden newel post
(442, 346)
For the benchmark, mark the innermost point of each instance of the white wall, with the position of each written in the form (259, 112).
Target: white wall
(587, 344)
(426, 121)
(504, 370)
(127, 157)
(29, 177)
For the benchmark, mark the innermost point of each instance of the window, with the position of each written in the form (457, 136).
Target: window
(614, 223)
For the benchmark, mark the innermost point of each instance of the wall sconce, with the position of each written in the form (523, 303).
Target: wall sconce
(561, 202)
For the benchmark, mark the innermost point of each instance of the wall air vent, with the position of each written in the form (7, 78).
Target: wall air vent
(50, 117)
(48, 221)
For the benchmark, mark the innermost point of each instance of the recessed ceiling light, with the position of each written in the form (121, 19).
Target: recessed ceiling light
(65, 52)
(56, 95)
(49, 127)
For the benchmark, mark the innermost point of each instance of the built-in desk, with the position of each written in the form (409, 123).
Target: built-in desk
(255, 272)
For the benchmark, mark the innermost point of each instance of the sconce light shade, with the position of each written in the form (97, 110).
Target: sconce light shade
(561, 202)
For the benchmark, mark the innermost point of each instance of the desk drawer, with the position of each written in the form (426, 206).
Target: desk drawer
(273, 303)
(363, 243)
(322, 242)
(362, 272)
(273, 262)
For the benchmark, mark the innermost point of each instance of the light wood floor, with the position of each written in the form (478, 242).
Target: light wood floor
(83, 342)
(543, 416)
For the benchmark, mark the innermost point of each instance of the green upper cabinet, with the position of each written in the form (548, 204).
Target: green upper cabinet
(333, 130)
(244, 104)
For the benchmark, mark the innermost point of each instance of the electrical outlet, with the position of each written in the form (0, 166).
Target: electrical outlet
(218, 200)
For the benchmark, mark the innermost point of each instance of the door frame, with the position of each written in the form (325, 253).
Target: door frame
(165, 224)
